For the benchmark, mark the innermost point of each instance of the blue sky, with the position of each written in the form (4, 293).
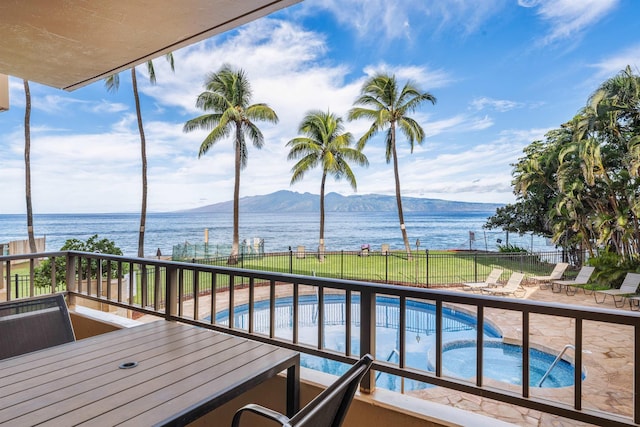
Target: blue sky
(504, 72)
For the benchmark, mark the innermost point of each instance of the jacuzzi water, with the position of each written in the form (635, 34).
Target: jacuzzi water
(458, 327)
(503, 362)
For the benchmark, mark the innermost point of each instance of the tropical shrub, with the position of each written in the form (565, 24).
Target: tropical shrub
(93, 244)
(611, 268)
(509, 248)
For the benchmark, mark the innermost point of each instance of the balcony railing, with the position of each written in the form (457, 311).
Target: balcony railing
(208, 296)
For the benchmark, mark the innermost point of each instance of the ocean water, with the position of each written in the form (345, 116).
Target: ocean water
(343, 231)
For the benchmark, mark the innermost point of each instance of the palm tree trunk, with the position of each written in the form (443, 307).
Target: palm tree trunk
(143, 153)
(321, 246)
(233, 258)
(396, 174)
(27, 165)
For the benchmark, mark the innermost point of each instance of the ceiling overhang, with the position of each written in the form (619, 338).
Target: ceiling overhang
(68, 44)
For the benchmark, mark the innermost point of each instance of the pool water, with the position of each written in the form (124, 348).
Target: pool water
(458, 327)
(503, 362)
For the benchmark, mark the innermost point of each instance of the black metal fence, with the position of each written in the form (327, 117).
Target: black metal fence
(423, 269)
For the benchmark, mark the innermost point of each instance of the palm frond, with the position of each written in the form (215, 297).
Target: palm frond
(112, 83)
(218, 133)
(204, 122)
(254, 134)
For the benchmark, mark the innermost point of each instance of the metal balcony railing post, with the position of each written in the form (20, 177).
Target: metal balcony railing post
(475, 267)
(70, 277)
(8, 282)
(368, 335)
(54, 283)
(426, 268)
(145, 291)
(386, 267)
(290, 260)
(99, 278)
(171, 290)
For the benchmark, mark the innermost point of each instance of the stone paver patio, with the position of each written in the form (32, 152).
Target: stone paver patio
(607, 357)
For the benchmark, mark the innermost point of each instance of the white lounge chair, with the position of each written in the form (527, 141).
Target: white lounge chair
(556, 274)
(491, 280)
(570, 285)
(628, 288)
(512, 287)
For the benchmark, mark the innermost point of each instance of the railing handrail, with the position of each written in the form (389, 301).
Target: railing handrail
(168, 301)
(537, 307)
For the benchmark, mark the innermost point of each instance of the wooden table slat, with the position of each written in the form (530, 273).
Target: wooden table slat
(76, 374)
(181, 383)
(81, 394)
(183, 371)
(101, 343)
(76, 361)
(229, 382)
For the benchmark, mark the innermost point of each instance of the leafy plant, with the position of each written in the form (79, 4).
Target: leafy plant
(509, 248)
(94, 245)
(611, 268)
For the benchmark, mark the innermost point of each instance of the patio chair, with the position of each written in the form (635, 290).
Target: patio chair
(329, 408)
(32, 324)
(491, 280)
(571, 286)
(556, 274)
(512, 287)
(629, 287)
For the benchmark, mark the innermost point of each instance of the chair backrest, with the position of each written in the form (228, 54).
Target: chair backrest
(33, 324)
(514, 281)
(493, 277)
(558, 270)
(330, 407)
(584, 274)
(631, 283)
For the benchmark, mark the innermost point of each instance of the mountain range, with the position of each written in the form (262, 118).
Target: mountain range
(290, 201)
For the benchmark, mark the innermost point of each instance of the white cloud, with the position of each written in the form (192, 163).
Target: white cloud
(372, 17)
(500, 105)
(568, 18)
(613, 64)
(457, 124)
(104, 106)
(480, 172)
(293, 70)
(430, 78)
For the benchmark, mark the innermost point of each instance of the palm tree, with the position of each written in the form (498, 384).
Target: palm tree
(27, 165)
(228, 96)
(381, 100)
(112, 84)
(325, 144)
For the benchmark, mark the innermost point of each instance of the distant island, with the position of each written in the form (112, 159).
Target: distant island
(290, 201)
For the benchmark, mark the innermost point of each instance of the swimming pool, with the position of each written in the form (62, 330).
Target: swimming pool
(458, 327)
(503, 362)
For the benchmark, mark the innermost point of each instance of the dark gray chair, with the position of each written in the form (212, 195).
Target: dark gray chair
(328, 409)
(32, 324)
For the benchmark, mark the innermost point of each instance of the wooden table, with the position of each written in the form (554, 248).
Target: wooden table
(181, 372)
